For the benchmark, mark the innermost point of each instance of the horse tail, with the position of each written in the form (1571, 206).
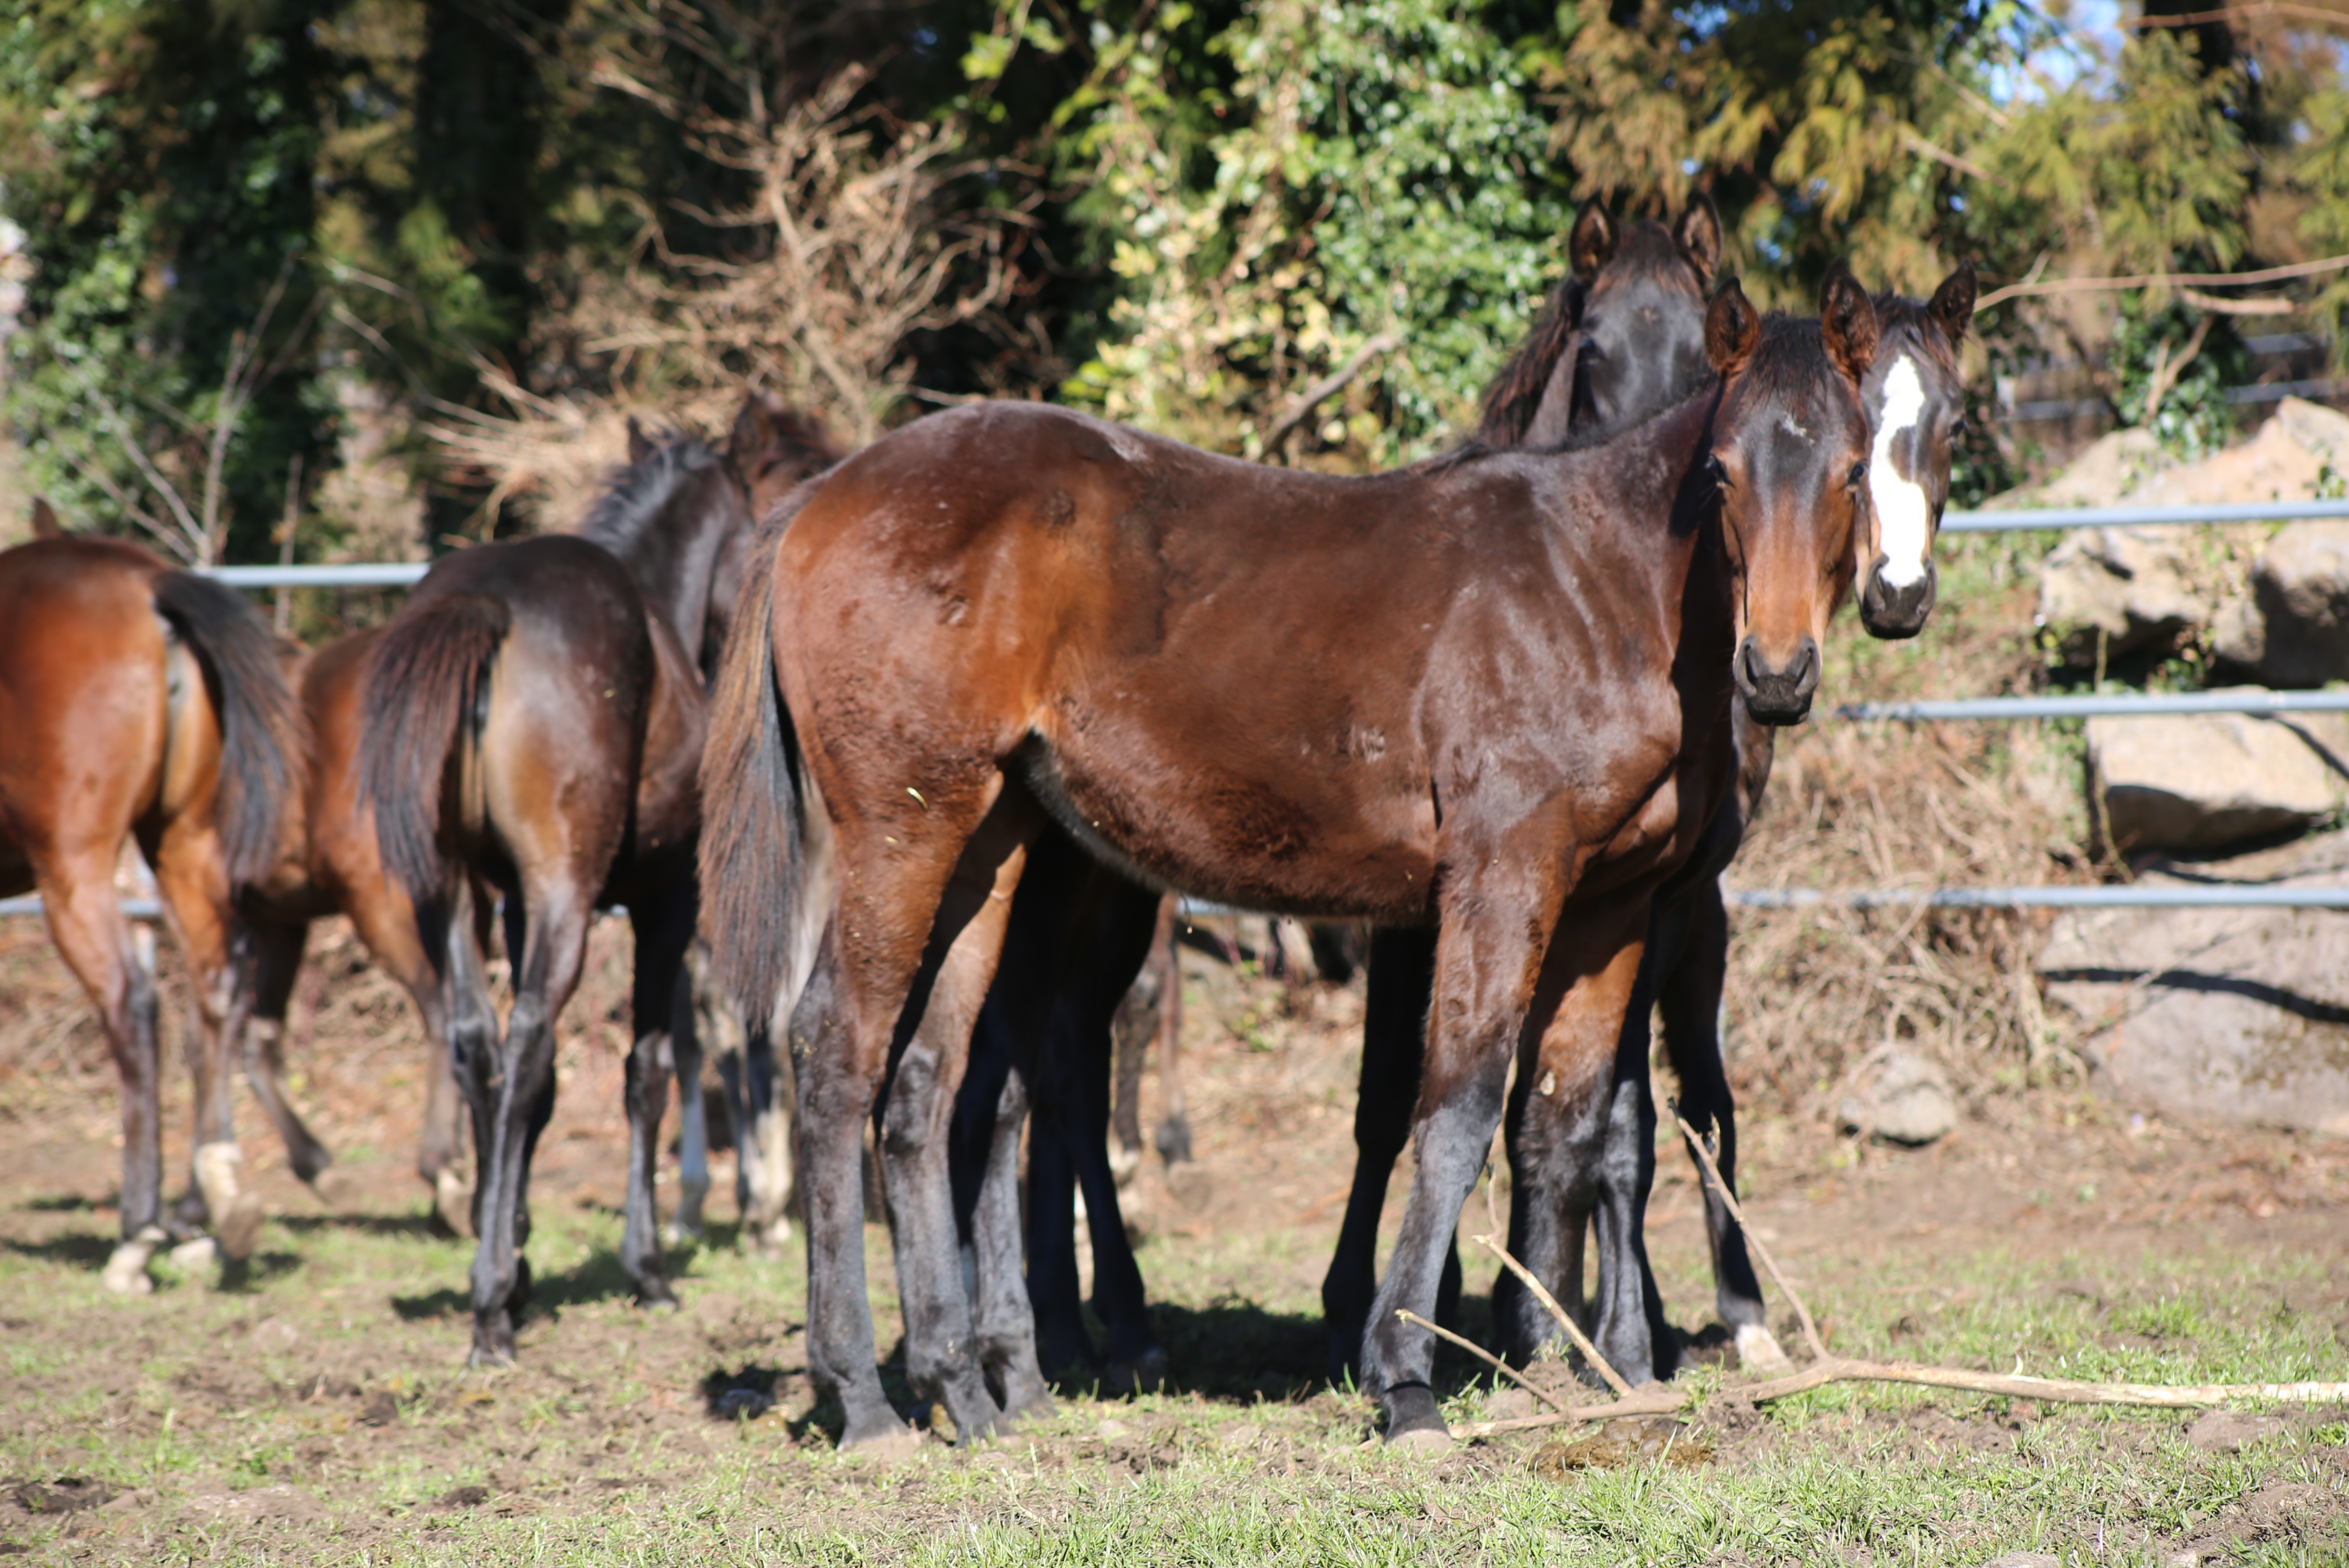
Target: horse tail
(424, 683)
(1515, 394)
(755, 818)
(263, 739)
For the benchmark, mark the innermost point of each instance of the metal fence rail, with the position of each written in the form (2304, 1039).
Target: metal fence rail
(2134, 704)
(2023, 517)
(355, 575)
(2211, 895)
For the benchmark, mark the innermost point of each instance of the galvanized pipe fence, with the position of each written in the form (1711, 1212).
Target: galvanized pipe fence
(405, 574)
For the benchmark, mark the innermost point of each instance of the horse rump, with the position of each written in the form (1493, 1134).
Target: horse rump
(264, 740)
(423, 683)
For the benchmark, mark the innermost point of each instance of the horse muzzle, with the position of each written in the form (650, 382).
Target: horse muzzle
(1781, 693)
(1896, 613)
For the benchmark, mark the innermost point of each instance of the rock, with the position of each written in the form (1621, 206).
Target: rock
(2203, 780)
(1905, 1099)
(2227, 1431)
(2141, 587)
(2132, 587)
(2235, 1015)
(2293, 627)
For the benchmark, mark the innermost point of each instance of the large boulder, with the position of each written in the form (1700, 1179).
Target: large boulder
(2205, 780)
(2229, 1015)
(2135, 588)
(2128, 588)
(2292, 629)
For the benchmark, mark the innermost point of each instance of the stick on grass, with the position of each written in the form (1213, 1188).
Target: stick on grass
(1565, 1321)
(1487, 1356)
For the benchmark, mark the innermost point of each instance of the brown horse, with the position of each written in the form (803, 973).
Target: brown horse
(141, 702)
(1478, 694)
(1621, 338)
(330, 861)
(531, 725)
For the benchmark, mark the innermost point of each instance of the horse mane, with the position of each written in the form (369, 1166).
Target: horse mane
(1791, 358)
(1514, 396)
(636, 492)
(1476, 448)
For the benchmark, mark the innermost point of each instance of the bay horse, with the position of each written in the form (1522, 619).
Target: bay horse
(530, 726)
(1468, 698)
(1914, 400)
(142, 702)
(330, 861)
(1620, 337)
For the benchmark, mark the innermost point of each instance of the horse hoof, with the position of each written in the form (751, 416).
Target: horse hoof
(1758, 1351)
(339, 1190)
(490, 1354)
(654, 1295)
(881, 1433)
(676, 1235)
(239, 1231)
(1421, 1440)
(453, 1200)
(1413, 1421)
(1145, 1374)
(198, 1257)
(126, 1271)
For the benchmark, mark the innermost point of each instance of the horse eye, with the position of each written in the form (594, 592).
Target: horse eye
(1715, 471)
(1957, 427)
(1858, 475)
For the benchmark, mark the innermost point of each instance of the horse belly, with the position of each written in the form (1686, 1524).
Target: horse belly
(1306, 841)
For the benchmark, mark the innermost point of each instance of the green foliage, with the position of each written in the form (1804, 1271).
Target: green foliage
(159, 156)
(1370, 168)
(2191, 417)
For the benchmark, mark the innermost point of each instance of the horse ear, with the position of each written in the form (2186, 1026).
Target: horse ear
(1731, 329)
(1591, 244)
(639, 446)
(45, 519)
(1847, 322)
(1698, 234)
(754, 426)
(1952, 305)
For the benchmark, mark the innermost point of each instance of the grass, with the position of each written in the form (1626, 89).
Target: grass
(321, 1415)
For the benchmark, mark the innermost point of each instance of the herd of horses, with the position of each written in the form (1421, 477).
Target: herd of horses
(921, 739)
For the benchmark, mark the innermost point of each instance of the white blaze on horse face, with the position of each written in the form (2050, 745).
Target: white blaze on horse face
(1903, 516)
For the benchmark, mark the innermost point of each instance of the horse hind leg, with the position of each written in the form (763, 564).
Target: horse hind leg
(915, 1133)
(85, 922)
(663, 920)
(693, 1118)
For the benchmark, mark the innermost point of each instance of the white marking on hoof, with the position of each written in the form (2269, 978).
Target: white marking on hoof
(126, 1271)
(1903, 516)
(1422, 1440)
(1758, 1351)
(452, 1198)
(196, 1258)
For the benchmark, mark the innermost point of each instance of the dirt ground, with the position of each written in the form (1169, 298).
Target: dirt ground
(318, 1409)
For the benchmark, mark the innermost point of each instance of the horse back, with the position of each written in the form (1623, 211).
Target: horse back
(1250, 683)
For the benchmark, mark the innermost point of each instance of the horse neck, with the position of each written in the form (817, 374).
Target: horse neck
(1659, 496)
(674, 557)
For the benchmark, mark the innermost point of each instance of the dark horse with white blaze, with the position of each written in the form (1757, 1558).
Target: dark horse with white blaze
(138, 701)
(532, 725)
(1491, 696)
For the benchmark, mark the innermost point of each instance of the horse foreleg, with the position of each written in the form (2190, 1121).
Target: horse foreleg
(1402, 972)
(276, 962)
(1690, 1002)
(1173, 1138)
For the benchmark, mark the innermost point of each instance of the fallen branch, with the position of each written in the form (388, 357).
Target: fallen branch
(1827, 1368)
(1658, 1401)
(1703, 1152)
(1314, 396)
(2164, 279)
(1565, 1321)
(2232, 13)
(1487, 1356)
(2268, 305)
